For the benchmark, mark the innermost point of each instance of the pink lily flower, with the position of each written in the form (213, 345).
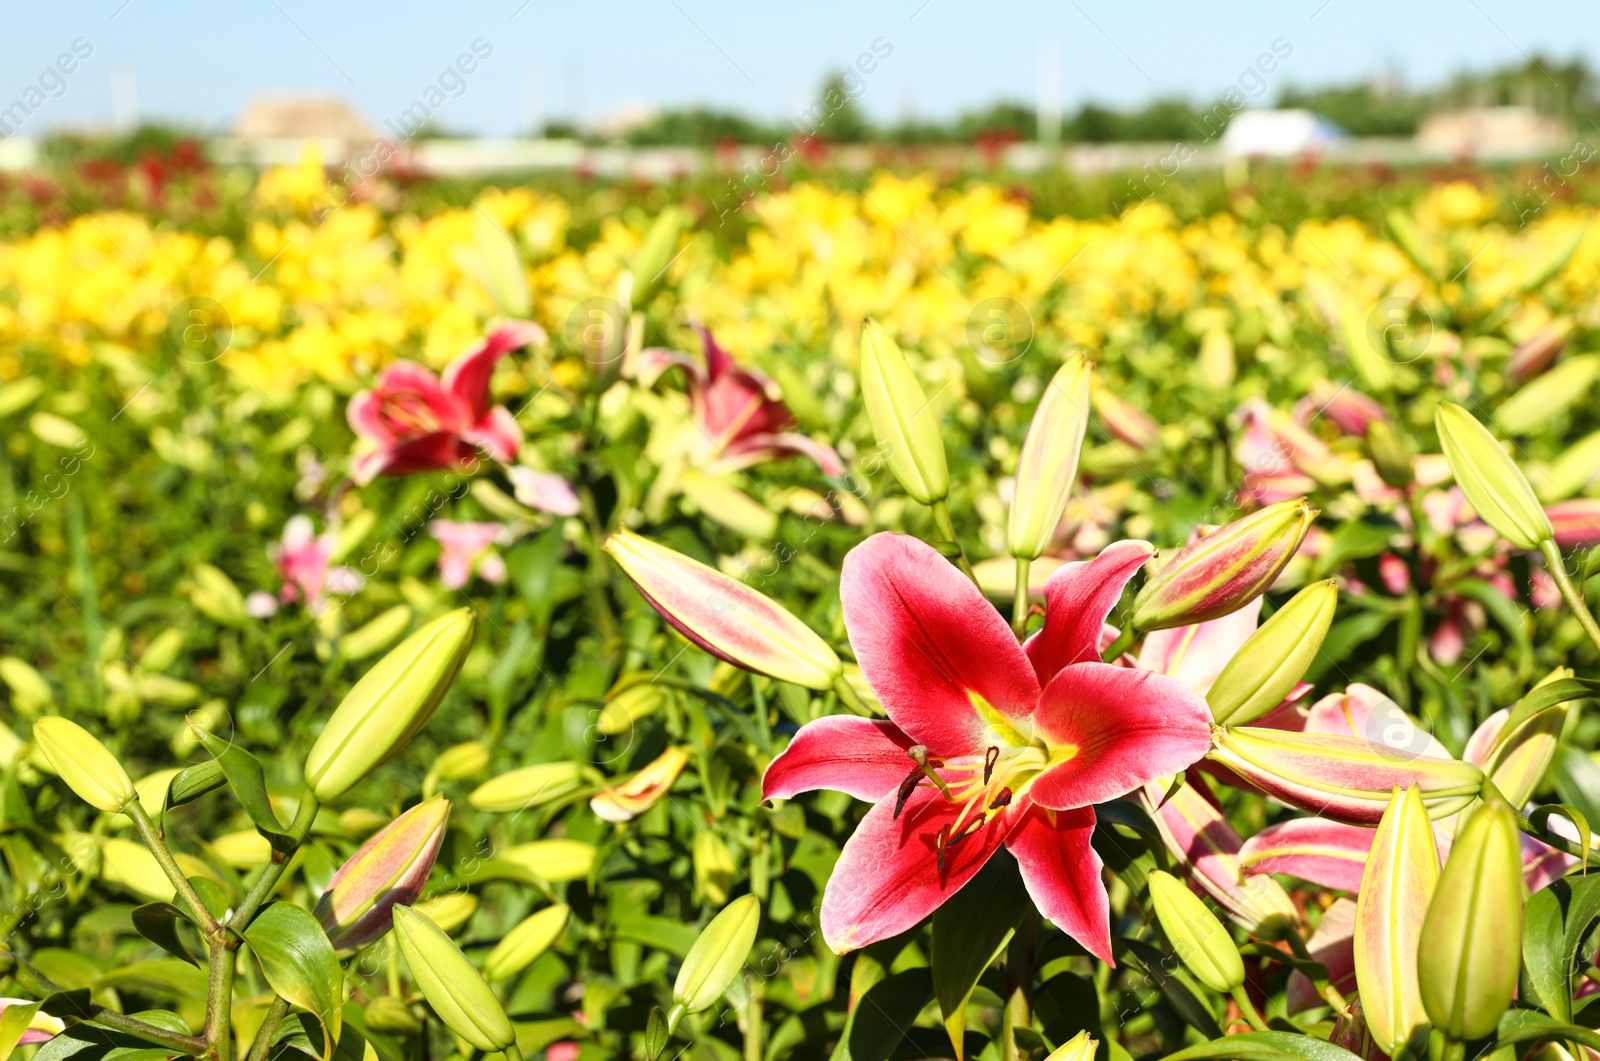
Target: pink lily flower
(740, 411)
(42, 1028)
(413, 421)
(1576, 522)
(301, 558)
(544, 491)
(988, 742)
(466, 547)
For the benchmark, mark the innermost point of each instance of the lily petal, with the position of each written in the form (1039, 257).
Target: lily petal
(1333, 946)
(888, 876)
(1196, 654)
(1078, 598)
(1362, 711)
(1062, 873)
(755, 449)
(941, 660)
(1322, 852)
(863, 757)
(467, 377)
(1124, 727)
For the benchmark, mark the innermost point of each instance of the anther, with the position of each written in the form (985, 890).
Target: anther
(990, 757)
(1001, 799)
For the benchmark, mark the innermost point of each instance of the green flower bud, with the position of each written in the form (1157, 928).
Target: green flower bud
(388, 1015)
(1200, 940)
(530, 786)
(389, 704)
(531, 938)
(1494, 485)
(1225, 570)
(376, 635)
(1396, 886)
(717, 956)
(1271, 663)
(86, 765)
(901, 420)
(1047, 468)
(1471, 944)
(1080, 1047)
(454, 988)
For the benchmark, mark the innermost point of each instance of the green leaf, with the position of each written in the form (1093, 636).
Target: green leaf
(13, 1023)
(248, 781)
(1353, 540)
(299, 963)
(1181, 991)
(1555, 921)
(195, 782)
(1266, 1046)
(1577, 779)
(1528, 1026)
(211, 894)
(300, 1031)
(91, 1042)
(969, 932)
(163, 976)
(1508, 613)
(158, 923)
(883, 1016)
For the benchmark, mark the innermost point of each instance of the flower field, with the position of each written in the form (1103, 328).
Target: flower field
(860, 616)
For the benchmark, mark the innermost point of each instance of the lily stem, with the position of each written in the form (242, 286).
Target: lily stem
(180, 880)
(851, 698)
(36, 982)
(274, 870)
(947, 531)
(1556, 565)
(1555, 840)
(1248, 1008)
(1332, 995)
(269, 1029)
(219, 1003)
(1019, 604)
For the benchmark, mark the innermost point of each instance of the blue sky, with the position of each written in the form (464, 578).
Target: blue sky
(196, 63)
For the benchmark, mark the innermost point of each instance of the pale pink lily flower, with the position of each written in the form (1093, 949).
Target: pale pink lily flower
(466, 547)
(413, 421)
(543, 491)
(302, 559)
(739, 411)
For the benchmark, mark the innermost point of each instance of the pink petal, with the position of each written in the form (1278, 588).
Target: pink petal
(1126, 727)
(931, 646)
(649, 365)
(856, 755)
(887, 878)
(467, 377)
(440, 449)
(1333, 946)
(718, 363)
(755, 449)
(469, 537)
(1078, 598)
(544, 491)
(455, 570)
(1362, 711)
(1062, 872)
(1483, 739)
(1543, 865)
(497, 434)
(408, 383)
(1196, 654)
(1326, 853)
(365, 416)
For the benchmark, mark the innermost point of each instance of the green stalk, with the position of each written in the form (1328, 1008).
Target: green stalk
(1249, 1010)
(158, 847)
(1332, 995)
(1560, 843)
(752, 1020)
(1120, 645)
(1019, 603)
(1557, 567)
(219, 1003)
(947, 531)
(274, 869)
(851, 698)
(269, 1028)
(34, 981)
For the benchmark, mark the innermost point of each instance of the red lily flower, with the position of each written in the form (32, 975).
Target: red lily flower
(740, 411)
(988, 742)
(415, 421)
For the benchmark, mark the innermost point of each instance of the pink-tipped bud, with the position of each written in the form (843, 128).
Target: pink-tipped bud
(1225, 570)
(1396, 888)
(1347, 779)
(1350, 410)
(1127, 425)
(641, 791)
(388, 871)
(1535, 353)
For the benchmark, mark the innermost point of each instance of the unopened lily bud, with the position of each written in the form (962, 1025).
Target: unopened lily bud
(1201, 941)
(1576, 468)
(389, 704)
(1225, 570)
(1396, 887)
(717, 956)
(1216, 361)
(1351, 411)
(86, 765)
(1347, 779)
(656, 253)
(30, 692)
(1205, 844)
(1548, 395)
(1274, 659)
(388, 1015)
(902, 421)
(1534, 354)
(1047, 468)
(388, 870)
(524, 943)
(1127, 424)
(724, 616)
(531, 786)
(376, 635)
(1391, 454)
(1516, 761)
(1494, 485)
(1080, 1047)
(1471, 944)
(215, 594)
(448, 910)
(461, 761)
(454, 988)
(714, 867)
(641, 791)
(130, 864)
(1403, 230)
(40, 1027)
(554, 860)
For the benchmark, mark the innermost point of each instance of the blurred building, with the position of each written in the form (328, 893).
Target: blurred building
(1493, 132)
(1277, 133)
(301, 118)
